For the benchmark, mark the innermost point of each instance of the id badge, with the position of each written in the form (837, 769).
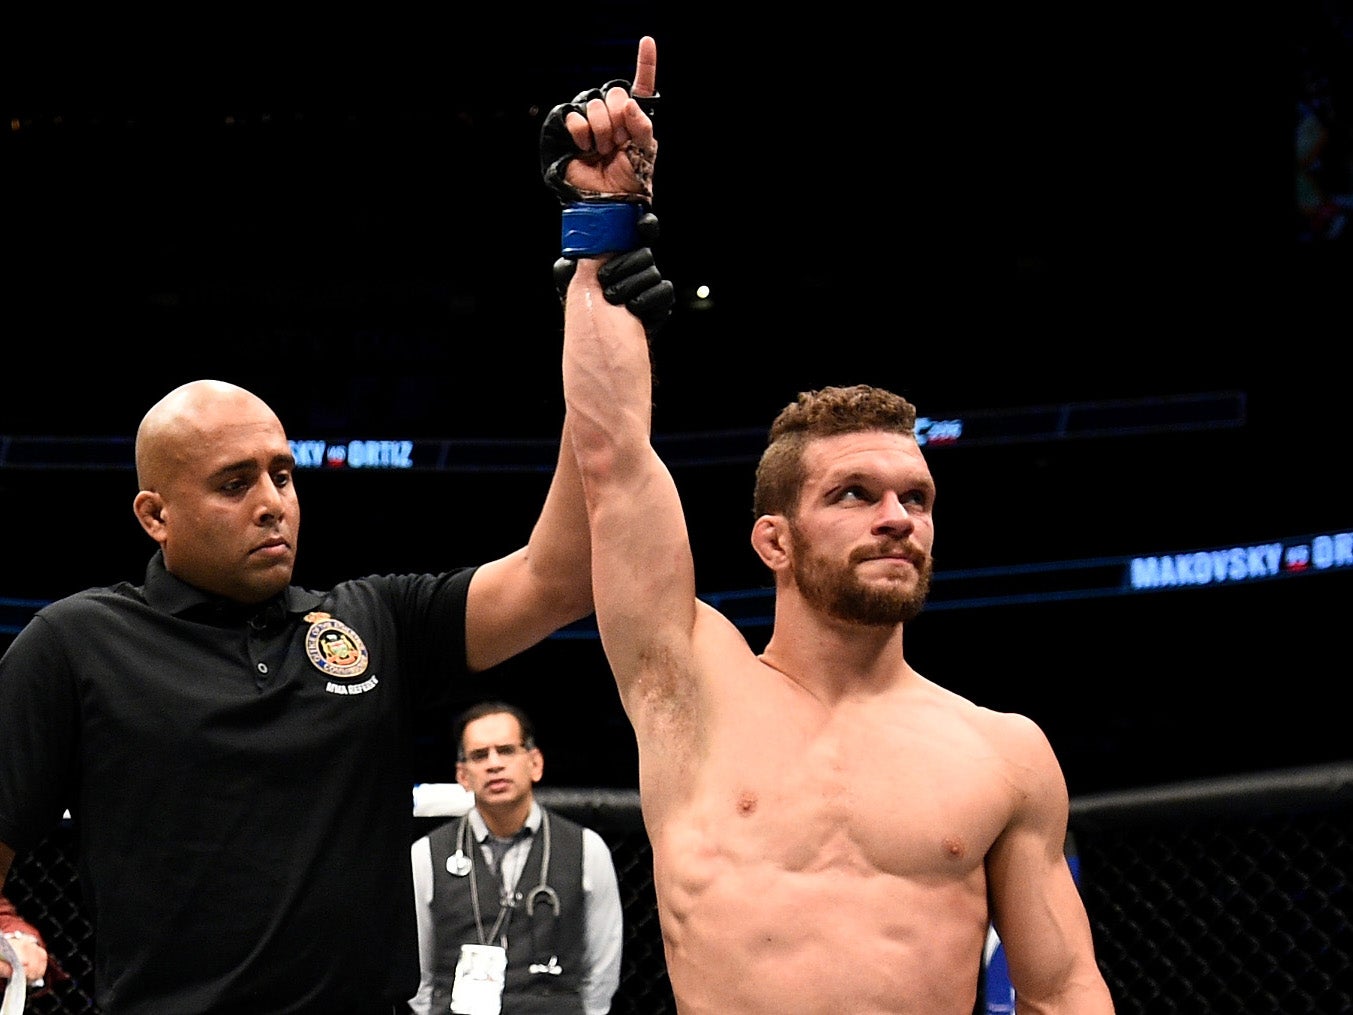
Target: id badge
(478, 987)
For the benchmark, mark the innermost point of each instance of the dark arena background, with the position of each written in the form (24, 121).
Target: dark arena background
(1139, 429)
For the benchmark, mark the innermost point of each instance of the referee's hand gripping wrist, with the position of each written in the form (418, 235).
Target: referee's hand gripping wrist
(630, 278)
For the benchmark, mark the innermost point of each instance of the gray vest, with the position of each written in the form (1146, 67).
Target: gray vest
(537, 928)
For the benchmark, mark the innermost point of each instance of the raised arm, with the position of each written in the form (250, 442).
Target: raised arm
(518, 600)
(642, 574)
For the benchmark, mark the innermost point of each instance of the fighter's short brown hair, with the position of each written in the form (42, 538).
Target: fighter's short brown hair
(825, 412)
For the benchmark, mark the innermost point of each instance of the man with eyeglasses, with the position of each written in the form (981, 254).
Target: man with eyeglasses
(518, 908)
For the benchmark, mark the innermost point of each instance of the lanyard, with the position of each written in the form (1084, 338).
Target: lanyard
(506, 900)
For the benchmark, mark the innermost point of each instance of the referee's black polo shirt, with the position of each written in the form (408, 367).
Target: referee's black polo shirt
(241, 781)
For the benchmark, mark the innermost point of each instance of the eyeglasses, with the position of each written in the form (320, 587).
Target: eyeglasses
(505, 752)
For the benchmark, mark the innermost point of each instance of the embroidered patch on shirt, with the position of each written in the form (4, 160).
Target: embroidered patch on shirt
(334, 648)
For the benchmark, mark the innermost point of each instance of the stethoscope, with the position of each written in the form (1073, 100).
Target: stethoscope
(460, 864)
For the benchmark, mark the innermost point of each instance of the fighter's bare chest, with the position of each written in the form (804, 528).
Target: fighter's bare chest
(888, 802)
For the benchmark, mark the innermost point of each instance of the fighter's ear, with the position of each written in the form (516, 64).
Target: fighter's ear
(770, 540)
(149, 509)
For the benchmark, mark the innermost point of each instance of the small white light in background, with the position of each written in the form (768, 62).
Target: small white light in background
(698, 297)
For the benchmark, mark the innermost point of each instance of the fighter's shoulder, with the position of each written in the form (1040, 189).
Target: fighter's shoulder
(1026, 751)
(1012, 733)
(1014, 728)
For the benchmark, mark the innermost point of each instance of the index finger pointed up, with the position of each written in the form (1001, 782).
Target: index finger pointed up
(646, 70)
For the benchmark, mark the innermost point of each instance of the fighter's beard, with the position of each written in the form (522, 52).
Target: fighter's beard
(837, 592)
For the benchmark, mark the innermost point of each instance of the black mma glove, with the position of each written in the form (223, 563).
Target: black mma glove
(631, 278)
(557, 148)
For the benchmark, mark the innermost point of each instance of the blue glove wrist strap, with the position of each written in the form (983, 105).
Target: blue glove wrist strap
(589, 228)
